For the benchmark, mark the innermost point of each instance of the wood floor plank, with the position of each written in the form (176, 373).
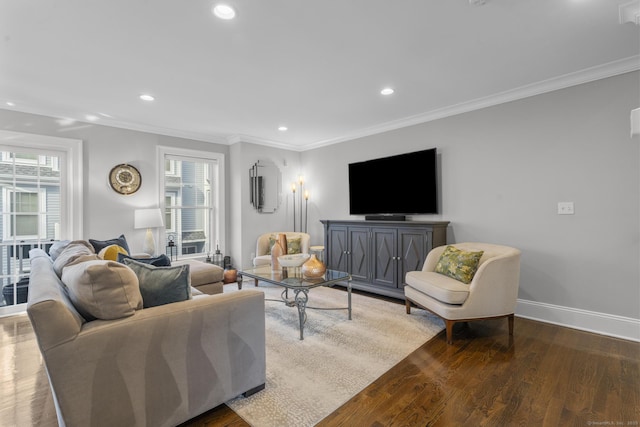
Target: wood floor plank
(545, 375)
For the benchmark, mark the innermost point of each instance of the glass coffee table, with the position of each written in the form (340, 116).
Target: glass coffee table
(291, 279)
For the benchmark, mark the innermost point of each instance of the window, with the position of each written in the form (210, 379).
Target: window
(192, 191)
(38, 203)
(24, 214)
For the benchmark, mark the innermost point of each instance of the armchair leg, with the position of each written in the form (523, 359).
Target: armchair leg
(449, 326)
(407, 304)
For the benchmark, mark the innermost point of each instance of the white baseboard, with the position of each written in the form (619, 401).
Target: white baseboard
(600, 323)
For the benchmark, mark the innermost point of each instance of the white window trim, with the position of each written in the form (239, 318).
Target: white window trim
(71, 186)
(218, 176)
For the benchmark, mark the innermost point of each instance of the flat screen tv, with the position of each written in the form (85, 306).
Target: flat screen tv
(398, 185)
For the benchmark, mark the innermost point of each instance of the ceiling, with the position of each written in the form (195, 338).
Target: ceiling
(316, 67)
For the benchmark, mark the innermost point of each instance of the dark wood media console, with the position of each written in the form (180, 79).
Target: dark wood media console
(378, 254)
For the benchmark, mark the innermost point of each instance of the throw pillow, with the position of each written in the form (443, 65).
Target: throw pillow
(458, 264)
(159, 261)
(272, 241)
(102, 289)
(161, 285)
(294, 246)
(99, 245)
(70, 253)
(57, 247)
(111, 252)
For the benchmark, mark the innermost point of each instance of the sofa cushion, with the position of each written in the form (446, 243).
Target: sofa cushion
(161, 285)
(160, 261)
(98, 245)
(203, 273)
(101, 289)
(262, 260)
(111, 252)
(458, 264)
(70, 253)
(438, 286)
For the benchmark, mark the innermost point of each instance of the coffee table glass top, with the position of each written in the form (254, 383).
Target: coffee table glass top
(291, 277)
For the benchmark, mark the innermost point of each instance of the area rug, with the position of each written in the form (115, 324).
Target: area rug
(307, 380)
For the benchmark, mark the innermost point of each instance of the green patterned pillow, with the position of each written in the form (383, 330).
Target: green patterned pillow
(272, 240)
(458, 264)
(294, 246)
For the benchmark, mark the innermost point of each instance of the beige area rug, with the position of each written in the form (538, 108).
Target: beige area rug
(307, 380)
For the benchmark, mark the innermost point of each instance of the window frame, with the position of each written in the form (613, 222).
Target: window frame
(218, 220)
(70, 166)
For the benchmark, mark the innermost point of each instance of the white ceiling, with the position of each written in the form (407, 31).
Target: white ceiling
(314, 66)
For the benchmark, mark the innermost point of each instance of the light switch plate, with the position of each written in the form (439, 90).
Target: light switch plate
(565, 208)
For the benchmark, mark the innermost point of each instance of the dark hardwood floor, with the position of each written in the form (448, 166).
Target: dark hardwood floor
(545, 375)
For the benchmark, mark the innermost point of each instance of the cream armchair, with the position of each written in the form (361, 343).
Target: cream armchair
(263, 249)
(492, 293)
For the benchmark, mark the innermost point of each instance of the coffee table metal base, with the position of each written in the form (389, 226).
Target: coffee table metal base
(301, 296)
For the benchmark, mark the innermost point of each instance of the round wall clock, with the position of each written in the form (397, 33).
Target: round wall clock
(125, 179)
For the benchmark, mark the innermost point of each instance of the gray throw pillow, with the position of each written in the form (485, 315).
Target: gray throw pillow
(161, 285)
(159, 261)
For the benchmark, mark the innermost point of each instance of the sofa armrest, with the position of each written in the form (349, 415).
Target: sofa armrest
(494, 287)
(163, 365)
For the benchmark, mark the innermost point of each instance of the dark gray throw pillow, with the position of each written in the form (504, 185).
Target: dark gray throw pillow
(99, 245)
(159, 261)
(161, 285)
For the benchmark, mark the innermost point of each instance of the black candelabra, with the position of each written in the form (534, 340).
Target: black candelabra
(302, 209)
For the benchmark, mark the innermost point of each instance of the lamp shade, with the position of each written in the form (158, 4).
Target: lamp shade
(148, 218)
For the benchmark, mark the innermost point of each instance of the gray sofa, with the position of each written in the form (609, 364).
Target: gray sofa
(160, 366)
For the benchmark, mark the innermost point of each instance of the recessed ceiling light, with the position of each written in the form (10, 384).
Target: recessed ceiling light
(91, 117)
(223, 11)
(146, 97)
(386, 91)
(283, 128)
(65, 122)
(11, 104)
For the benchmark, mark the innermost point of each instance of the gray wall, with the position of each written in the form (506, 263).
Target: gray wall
(504, 168)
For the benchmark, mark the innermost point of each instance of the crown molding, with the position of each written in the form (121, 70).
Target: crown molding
(233, 139)
(587, 75)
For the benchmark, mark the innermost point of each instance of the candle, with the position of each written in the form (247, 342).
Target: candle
(306, 194)
(293, 187)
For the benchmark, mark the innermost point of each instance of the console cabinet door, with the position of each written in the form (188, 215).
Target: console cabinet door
(337, 248)
(384, 242)
(359, 253)
(412, 251)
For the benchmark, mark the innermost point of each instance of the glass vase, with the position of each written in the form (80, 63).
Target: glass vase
(313, 268)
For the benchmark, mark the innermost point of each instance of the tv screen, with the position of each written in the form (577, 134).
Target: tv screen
(400, 184)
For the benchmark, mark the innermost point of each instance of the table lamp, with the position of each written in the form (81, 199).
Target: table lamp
(148, 218)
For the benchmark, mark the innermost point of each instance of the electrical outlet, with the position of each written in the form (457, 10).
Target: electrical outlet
(565, 208)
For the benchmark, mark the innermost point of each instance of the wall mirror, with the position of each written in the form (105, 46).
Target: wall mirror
(264, 183)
